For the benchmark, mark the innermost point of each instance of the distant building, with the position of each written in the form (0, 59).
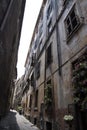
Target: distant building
(56, 66)
(19, 85)
(11, 16)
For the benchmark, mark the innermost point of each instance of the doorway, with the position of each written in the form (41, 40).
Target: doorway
(48, 125)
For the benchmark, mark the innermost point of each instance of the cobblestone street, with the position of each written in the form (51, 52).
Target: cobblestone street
(15, 121)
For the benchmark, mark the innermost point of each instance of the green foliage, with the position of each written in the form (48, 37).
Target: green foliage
(19, 108)
(48, 95)
(80, 82)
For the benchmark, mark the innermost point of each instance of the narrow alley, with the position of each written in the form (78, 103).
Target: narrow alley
(15, 121)
(50, 91)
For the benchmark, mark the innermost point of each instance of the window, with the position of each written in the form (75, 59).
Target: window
(71, 22)
(38, 70)
(32, 80)
(50, 26)
(49, 55)
(36, 98)
(26, 101)
(40, 30)
(49, 17)
(36, 43)
(33, 59)
(28, 81)
(40, 45)
(49, 10)
(30, 102)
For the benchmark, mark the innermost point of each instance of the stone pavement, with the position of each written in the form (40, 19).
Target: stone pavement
(15, 121)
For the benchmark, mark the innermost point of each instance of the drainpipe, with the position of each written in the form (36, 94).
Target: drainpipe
(60, 87)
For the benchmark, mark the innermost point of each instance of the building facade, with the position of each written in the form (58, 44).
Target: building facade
(11, 16)
(19, 85)
(57, 50)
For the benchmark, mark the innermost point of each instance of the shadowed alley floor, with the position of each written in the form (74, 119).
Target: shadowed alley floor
(15, 121)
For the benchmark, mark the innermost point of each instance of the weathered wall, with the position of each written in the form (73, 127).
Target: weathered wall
(9, 40)
(59, 71)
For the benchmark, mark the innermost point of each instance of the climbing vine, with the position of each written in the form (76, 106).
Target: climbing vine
(79, 80)
(48, 96)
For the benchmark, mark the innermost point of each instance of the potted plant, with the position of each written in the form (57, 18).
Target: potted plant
(69, 120)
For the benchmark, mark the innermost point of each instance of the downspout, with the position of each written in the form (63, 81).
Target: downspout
(60, 87)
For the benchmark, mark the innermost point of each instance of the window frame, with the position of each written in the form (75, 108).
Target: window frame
(41, 30)
(49, 60)
(68, 18)
(32, 80)
(30, 102)
(36, 99)
(37, 70)
(49, 10)
(41, 45)
(49, 25)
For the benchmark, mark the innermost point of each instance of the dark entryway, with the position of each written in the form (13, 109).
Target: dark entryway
(81, 119)
(48, 125)
(35, 121)
(84, 119)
